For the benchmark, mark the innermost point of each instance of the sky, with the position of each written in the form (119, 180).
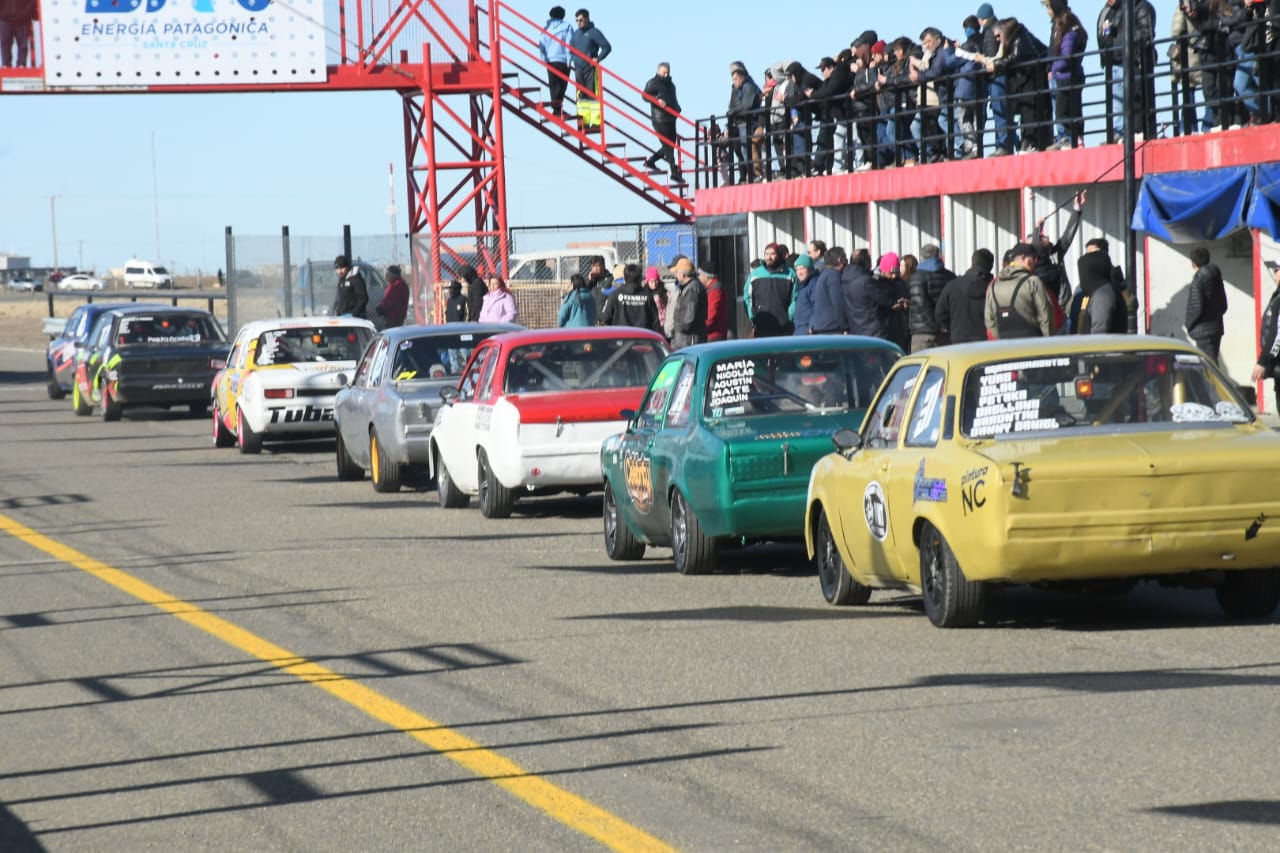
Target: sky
(160, 176)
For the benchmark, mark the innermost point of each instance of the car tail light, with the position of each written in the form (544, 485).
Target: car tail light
(278, 393)
(217, 363)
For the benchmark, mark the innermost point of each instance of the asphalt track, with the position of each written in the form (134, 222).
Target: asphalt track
(200, 650)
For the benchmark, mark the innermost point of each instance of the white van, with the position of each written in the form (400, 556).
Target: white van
(138, 273)
(557, 265)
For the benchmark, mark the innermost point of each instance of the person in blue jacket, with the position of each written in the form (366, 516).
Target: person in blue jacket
(578, 308)
(804, 294)
(828, 316)
(554, 49)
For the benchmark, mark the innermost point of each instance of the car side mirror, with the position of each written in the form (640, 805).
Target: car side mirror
(629, 415)
(847, 441)
(342, 380)
(449, 395)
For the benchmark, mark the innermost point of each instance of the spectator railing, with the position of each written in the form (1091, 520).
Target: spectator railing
(1174, 106)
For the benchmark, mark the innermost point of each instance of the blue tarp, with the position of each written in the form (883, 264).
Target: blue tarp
(1194, 207)
(1264, 205)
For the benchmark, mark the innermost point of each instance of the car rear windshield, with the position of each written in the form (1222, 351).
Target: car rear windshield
(582, 365)
(311, 344)
(168, 329)
(806, 381)
(434, 356)
(1097, 390)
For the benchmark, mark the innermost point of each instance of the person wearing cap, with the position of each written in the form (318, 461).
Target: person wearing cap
(802, 115)
(631, 304)
(717, 303)
(689, 312)
(743, 115)
(863, 108)
(353, 294)
(831, 97)
(1017, 304)
(474, 288)
(1006, 136)
(553, 47)
(394, 305)
(455, 304)
(1269, 335)
(663, 109)
(1206, 304)
(803, 304)
(769, 295)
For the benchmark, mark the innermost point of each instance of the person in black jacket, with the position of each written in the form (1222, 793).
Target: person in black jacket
(475, 289)
(1269, 349)
(353, 293)
(1026, 83)
(743, 115)
(1206, 304)
(924, 289)
(830, 97)
(960, 307)
(662, 110)
(631, 304)
(802, 118)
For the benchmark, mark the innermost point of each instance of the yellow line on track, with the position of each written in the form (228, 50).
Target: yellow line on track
(567, 808)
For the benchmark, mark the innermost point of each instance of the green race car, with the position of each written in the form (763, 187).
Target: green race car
(725, 438)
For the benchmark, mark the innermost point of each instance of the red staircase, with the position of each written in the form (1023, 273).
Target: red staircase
(625, 137)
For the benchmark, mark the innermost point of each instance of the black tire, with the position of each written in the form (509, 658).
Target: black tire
(496, 500)
(197, 408)
(248, 440)
(111, 410)
(56, 391)
(384, 473)
(348, 470)
(83, 407)
(451, 497)
(838, 586)
(692, 551)
(619, 542)
(222, 437)
(1251, 594)
(950, 600)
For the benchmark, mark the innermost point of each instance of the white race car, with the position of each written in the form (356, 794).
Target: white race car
(281, 378)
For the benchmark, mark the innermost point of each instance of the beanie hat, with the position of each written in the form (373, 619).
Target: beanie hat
(393, 271)
(877, 49)
(683, 265)
(888, 262)
(985, 11)
(651, 274)
(804, 261)
(341, 262)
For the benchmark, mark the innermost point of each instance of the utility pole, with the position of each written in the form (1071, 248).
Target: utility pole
(53, 221)
(391, 211)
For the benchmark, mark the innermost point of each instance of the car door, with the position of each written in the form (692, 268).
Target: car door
(62, 353)
(650, 447)
(867, 518)
(352, 410)
(456, 429)
(227, 383)
(915, 478)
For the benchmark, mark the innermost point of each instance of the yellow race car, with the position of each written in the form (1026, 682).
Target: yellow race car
(1095, 460)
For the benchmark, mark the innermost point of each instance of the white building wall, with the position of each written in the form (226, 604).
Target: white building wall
(981, 221)
(843, 225)
(776, 226)
(903, 226)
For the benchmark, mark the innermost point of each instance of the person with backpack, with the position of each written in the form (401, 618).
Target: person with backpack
(1017, 304)
(578, 308)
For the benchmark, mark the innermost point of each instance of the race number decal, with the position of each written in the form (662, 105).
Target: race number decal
(876, 511)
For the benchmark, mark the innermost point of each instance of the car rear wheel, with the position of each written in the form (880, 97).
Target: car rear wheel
(111, 410)
(451, 497)
(348, 470)
(496, 499)
(950, 600)
(56, 391)
(82, 406)
(694, 553)
(1251, 594)
(838, 586)
(248, 440)
(384, 472)
(222, 436)
(619, 542)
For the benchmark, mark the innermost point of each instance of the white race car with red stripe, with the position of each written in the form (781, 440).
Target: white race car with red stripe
(532, 410)
(281, 378)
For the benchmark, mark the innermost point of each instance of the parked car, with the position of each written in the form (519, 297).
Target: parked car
(24, 284)
(145, 355)
(79, 281)
(1066, 461)
(384, 416)
(723, 442)
(140, 273)
(531, 410)
(60, 354)
(281, 378)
